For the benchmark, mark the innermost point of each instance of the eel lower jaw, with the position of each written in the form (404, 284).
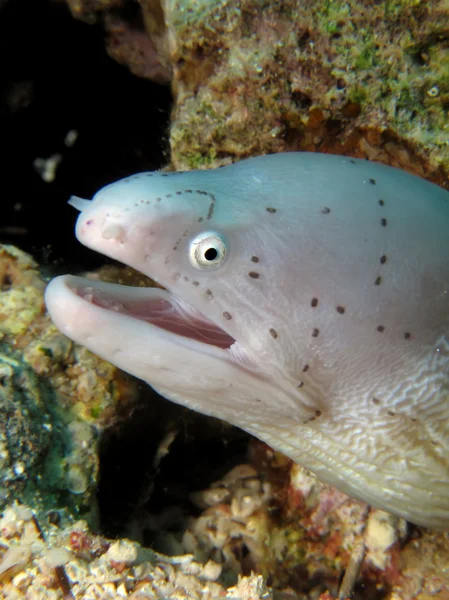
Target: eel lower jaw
(73, 300)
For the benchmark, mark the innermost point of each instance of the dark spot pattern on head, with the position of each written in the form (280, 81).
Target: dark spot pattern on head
(314, 302)
(315, 332)
(380, 328)
(175, 247)
(273, 333)
(271, 210)
(341, 310)
(227, 315)
(175, 173)
(210, 212)
(200, 193)
(254, 274)
(255, 259)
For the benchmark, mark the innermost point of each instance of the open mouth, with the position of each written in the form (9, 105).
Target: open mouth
(155, 306)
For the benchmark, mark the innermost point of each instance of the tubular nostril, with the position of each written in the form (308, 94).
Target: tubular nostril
(79, 203)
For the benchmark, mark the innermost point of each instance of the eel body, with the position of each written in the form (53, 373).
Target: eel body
(306, 301)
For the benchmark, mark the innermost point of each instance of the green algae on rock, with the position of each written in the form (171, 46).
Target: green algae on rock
(359, 77)
(252, 78)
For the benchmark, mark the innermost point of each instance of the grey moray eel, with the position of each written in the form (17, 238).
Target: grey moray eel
(306, 301)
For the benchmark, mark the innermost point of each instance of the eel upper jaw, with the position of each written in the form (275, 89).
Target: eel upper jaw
(79, 307)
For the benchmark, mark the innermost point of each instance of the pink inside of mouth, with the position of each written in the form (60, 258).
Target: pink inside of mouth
(163, 314)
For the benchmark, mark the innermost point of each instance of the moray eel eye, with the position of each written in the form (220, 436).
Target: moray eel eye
(208, 250)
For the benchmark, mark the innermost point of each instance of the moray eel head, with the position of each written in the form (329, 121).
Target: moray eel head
(305, 300)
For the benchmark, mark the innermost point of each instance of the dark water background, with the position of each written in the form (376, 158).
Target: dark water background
(55, 76)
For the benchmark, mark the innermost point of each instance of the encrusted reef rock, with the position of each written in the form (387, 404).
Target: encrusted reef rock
(25, 428)
(369, 79)
(357, 77)
(54, 398)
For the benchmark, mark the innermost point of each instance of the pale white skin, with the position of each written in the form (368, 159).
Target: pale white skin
(337, 300)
